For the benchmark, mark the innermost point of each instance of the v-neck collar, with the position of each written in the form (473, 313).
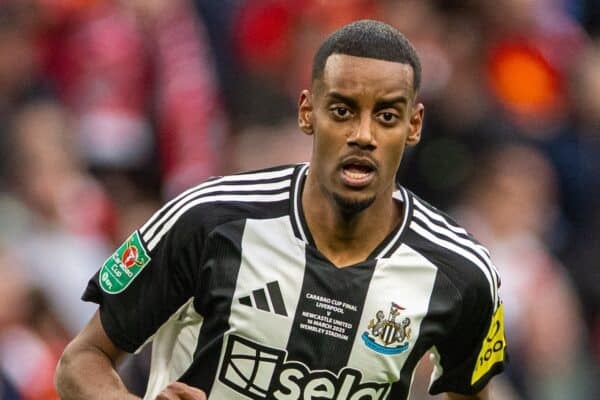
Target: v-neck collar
(387, 246)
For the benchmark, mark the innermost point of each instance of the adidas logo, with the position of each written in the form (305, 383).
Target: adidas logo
(269, 300)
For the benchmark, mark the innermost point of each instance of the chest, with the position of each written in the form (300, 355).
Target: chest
(349, 327)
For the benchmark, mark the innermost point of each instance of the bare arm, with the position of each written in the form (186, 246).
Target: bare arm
(483, 395)
(86, 370)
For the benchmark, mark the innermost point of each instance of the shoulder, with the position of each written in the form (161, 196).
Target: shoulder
(452, 249)
(253, 194)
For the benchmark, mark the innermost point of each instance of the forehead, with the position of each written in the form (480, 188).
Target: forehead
(360, 75)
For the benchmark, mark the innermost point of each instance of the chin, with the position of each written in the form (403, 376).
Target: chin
(352, 205)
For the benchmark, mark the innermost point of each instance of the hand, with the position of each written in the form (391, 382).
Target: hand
(181, 391)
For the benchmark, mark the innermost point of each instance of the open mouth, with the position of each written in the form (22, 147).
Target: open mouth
(358, 172)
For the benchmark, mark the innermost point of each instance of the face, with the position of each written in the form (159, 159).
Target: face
(362, 114)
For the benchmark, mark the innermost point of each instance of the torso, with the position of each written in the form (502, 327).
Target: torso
(270, 317)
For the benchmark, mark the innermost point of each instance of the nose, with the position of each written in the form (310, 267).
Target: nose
(362, 134)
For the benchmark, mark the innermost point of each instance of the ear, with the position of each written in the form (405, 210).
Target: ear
(305, 112)
(415, 124)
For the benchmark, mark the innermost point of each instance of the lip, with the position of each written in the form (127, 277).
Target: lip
(355, 178)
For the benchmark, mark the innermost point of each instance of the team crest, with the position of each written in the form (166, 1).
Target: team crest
(387, 335)
(124, 265)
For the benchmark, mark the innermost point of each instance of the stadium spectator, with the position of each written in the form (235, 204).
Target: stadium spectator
(65, 222)
(31, 338)
(511, 212)
(140, 80)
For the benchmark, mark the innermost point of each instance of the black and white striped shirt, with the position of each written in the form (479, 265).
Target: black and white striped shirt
(227, 283)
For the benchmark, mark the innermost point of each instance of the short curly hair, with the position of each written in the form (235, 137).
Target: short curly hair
(370, 39)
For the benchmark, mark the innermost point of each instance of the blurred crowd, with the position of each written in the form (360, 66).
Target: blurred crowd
(110, 107)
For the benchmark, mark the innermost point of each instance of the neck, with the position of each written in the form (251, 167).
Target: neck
(346, 239)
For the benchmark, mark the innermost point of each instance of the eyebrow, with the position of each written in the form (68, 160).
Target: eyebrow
(344, 99)
(380, 105)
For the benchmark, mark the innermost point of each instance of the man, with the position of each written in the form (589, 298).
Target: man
(320, 280)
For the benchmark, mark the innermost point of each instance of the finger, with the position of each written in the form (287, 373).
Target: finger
(186, 392)
(167, 394)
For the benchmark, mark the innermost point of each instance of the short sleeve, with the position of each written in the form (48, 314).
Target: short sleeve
(474, 351)
(145, 281)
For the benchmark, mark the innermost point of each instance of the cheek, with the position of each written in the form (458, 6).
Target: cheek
(323, 151)
(329, 139)
(393, 155)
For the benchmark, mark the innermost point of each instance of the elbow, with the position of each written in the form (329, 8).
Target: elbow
(62, 374)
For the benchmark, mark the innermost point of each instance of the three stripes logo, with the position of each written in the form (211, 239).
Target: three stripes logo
(269, 300)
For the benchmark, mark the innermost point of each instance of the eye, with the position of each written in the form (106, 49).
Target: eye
(387, 117)
(340, 112)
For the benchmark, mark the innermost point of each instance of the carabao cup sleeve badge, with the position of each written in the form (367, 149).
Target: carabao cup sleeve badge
(121, 268)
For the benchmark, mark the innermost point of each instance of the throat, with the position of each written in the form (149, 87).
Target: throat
(347, 239)
(347, 232)
(344, 253)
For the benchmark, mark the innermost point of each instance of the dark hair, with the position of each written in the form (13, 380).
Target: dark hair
(371, 39)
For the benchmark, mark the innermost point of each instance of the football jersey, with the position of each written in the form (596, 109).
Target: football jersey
(227, 283)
